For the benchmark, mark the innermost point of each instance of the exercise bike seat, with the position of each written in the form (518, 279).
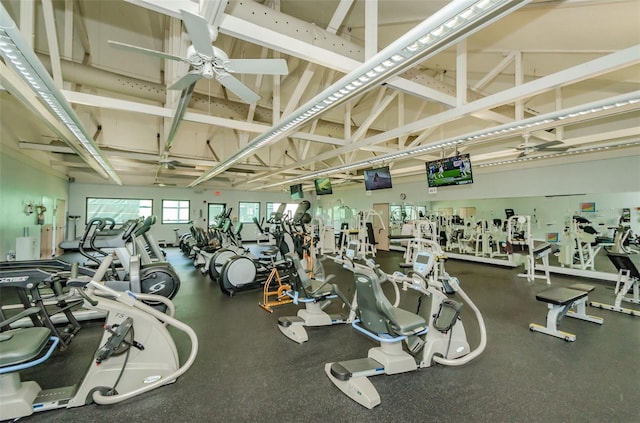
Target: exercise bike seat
(406, 323)
(21, 345)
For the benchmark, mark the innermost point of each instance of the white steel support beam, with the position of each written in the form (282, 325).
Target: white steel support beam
(461, 73)
(519, 79)
(338, 15)
(52, 40)
(93, 100)
(26, 95)
(591, 69)
(382, 102)
(257, 24)
(81, 30)
(370, 28)
(478, 86)
(596, 67)
(67, 50)
(303, 83)
(27, 17)
(559, 129)
(401, 119)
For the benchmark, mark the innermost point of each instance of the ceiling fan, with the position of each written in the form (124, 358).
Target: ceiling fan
(527, 148)
(208, 61)
(168, 163)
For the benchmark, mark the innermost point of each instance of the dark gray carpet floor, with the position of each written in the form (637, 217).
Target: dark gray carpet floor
(247, 371)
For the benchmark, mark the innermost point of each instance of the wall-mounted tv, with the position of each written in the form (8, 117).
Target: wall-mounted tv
(454, 170)
(323, 186)
(379, 178)
(296, 192)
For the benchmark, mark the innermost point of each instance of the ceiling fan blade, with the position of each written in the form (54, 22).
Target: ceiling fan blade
(148, 52)
(181, 108)
(198, 30)
(544, 145)
(176, 163)
(238, 88)
(186, 81)
(555, 149)
(257, 66)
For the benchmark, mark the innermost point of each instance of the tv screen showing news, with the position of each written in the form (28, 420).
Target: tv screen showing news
(296, 192)
(323, 186)
(379, 178)
(454, 170)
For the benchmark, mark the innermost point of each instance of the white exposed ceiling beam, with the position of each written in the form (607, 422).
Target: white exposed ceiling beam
(519, 79)
(21, 91)
(27, 17)
(67, 50)
(52, 40)
(93, 100)
(478, 86)
(81, 30)
(591, 69)
(461, 73)
(303, 83)
(270, 34)
(370, 28)
(338, 15)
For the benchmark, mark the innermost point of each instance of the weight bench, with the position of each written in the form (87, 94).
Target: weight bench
(627, 286)
(569, 301)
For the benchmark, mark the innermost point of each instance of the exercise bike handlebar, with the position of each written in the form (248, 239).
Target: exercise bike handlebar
(131, 299)
(483, 335)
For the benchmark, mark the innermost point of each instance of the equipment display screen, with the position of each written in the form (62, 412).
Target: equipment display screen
(454, 170)
(296, 192)
(323, 186)
(379, 178)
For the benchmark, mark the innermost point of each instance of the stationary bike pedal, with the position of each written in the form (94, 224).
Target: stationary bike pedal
(415, 344)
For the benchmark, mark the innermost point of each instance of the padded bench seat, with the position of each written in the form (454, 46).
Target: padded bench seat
(561, 301)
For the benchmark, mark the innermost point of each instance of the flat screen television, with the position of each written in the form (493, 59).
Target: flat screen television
(296, 192)
(379, 178)
(454, 170)
(323, 186)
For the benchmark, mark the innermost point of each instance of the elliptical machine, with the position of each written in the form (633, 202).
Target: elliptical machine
(220, 257)
(246, 272)
(137, 354)
(434, 334)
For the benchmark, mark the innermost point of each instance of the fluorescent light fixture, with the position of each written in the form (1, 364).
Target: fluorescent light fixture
(455, 21)
(18, 55)
(560, 154)
(609, 106)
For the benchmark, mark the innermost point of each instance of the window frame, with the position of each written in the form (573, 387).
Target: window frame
(89, 216)
(178, 221)
(211, 216)
(240, 211)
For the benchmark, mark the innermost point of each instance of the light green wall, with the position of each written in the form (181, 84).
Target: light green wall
(22, 181)
(198, 197)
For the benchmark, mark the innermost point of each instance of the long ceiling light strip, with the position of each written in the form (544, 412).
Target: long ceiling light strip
(561, 154)
(608, 106)
(17, 54)
(458, 19)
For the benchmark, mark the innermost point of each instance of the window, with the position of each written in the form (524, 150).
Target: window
(175, 211)
(247, 211)
(288, 211)
(214, 210)
(118, 209)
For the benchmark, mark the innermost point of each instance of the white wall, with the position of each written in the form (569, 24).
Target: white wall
(22, 181)
(199, 198)
(553, 191)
